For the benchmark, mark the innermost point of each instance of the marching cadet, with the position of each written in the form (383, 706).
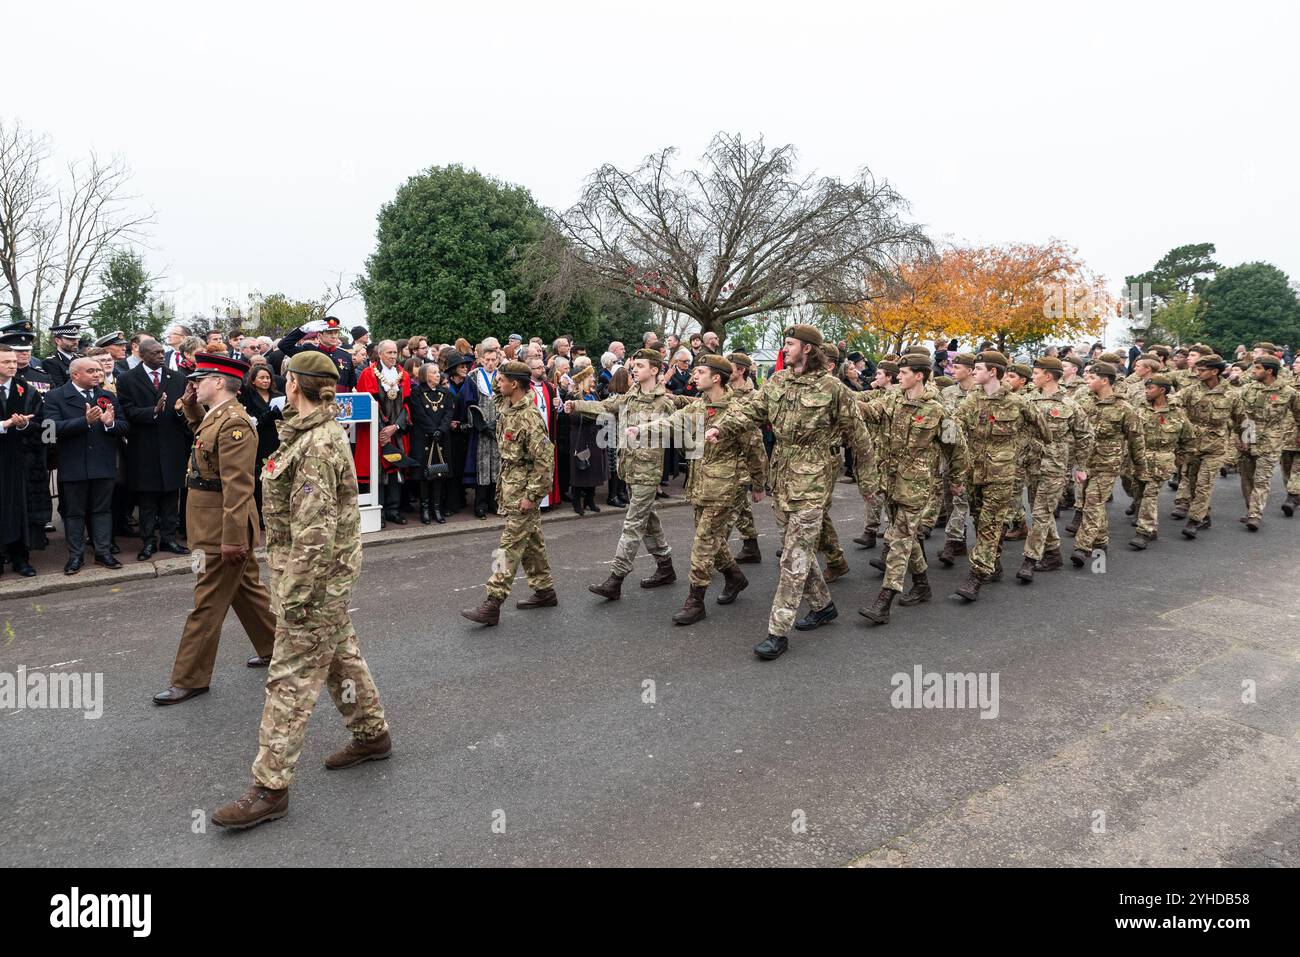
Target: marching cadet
(1215, 412)
(954, 545)
(1291, 458)
(1274, 412)
(912, 426)
(828, 542)
(1116, 428)
(886, 378)
(313, 546)
(222, 526)
(641, 466)
(992, 419)
(809, 412)
(737, 462)
(527, 468)
(1017, 380)
(742, 389)
(1166, 434)
(1071, 442)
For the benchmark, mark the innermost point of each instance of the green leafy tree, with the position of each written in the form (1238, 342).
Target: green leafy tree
(450, 246)
(1250, 302)
(125, 303)
(1180, 320)
(277, 313)
(1186, 269)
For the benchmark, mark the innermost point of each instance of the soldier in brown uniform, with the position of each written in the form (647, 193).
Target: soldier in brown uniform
(222, 527)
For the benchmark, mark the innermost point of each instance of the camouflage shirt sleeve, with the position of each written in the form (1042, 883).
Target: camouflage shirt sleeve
(756, 459)
(744, 415)
(542, 467)
(1084, 437)
(1137, 444)
(313, 521)
(854, 435)
(1036, 421)
(594, 407)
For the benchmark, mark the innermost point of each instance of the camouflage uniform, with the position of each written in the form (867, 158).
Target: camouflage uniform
(910, 433)
(1274, 412)
(1215, 414)
(313, 546)
(1116, 430)
(527, 463)
(808, 412)
(735, 462)
(1166, 434)
(955, 531)
(1071, 442)
(991, 425)
(745, 527)
(870, 472)
(1290, 460)
(641, 466)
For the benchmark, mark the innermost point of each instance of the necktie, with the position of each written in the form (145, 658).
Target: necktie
(154, 374)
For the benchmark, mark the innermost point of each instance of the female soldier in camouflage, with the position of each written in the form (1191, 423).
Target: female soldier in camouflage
(313, 543)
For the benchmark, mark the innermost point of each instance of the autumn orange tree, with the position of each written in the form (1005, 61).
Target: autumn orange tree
(1014, 295)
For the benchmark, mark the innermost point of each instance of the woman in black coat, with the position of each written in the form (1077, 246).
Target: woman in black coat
(432, 406)
(256, 395)
(588, 462)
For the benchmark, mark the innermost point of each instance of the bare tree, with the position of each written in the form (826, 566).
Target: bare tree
(54, 242)
(741, 236)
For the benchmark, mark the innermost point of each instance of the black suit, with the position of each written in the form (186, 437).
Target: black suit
(57, 368)
(87, 464)
(159, 448)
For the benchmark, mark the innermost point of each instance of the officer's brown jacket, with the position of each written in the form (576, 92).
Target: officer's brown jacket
(225, 448)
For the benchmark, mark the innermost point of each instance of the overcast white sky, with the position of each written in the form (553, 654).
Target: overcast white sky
(266, 135)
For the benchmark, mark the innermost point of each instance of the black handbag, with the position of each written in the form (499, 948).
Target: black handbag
(435, 470)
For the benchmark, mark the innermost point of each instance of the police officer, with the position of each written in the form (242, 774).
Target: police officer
(222, 526)
(313, 542)
(67, 338)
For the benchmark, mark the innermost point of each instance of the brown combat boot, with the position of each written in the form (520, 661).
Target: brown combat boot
(879, 610)
(546, 598)
(879, 563)
(736, 583)
(1288, 506)
(919, 592)
(749, 554)
(693, 610)
(1075, 522)
(970, 588)
(836, 570)
(1179, 513)
(1050, 562)
(952, 548)
(867, 539)
(996, 575)
(611, 587)
(1017, 532)
(1026, 573)
(488, 613)
(258, 804)
(664, 574)
(1140, 541)
(357, 750)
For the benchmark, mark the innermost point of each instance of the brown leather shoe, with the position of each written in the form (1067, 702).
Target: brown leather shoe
(258, 805)
(736, 583)
(835, 571)
(693, 610)
(177, 695)
(611, 588)
(357, 751)
(258, 661)
(487, 613)
(749, 554)
(546, 598)
(663, 575)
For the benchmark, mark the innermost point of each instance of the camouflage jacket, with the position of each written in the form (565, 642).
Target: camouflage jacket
(1116, 428)
(992, 427)
(909, 435)
(1213, 413)
(736, 462)
(527, 455)
(1274, 412)
(641, 463)
(1071, 433)
(809, 413)
(952, 396)
(1165, 433)
(313, 526)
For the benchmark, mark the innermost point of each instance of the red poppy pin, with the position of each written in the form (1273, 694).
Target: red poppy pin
(1272, 397)
(1162, 420)
(104, 402)
(993, 418)
(20, 388)
(918, 418)
(270, 464)
(711, 412)
(510, 436)
(1055, 412)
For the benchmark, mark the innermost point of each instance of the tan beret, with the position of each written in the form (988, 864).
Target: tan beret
(805, 333)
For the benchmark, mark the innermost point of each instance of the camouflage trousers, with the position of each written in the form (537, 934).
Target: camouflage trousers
(640, 522)
(801, 576)
(990, 505)
(1200, 473)
(709, 549)
(1256, 476)
(1016, 514)
(1291, 471)
(906, 553)
(955, 530)
(828, 542)
(1045, 493)
(940, 495)
(1094, 530)
(521, 543)
(319, 650)
(745, 515)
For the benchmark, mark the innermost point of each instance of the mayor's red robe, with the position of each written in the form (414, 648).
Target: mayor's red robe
(368, 381)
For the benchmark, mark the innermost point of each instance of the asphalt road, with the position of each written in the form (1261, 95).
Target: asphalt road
(1120, 736)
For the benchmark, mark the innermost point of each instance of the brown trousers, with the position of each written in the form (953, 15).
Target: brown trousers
(220, 587)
